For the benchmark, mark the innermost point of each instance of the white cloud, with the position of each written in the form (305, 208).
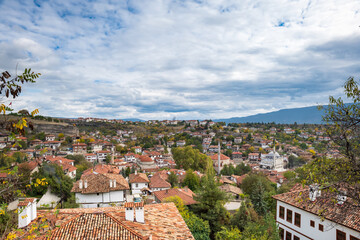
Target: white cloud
(184, 59)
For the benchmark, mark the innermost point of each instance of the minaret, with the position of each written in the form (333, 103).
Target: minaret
(219, 158)
(112, 155)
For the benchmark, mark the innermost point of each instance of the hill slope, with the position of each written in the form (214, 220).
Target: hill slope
(286, 116)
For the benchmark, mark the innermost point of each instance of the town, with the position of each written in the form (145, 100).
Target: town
(139, 167)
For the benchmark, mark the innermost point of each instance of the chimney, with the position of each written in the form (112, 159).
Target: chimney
(114, 183)
(129, 211)
(135, 172)
(27, 211)
(341, 197)
(85, 184)
(314, 192)
(139, 212)
(111, 185)
(80, 184)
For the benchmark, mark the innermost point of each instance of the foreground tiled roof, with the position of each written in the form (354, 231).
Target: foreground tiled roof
(162, 221)
(138, 178)
(100, 183)
(347, 214)
(95, 226)
(185, 194)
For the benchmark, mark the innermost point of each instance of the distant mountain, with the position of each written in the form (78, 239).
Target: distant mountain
(286, 116)
(133, 120)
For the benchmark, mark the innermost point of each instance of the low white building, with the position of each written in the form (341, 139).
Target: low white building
(297, 215)
(273, 160)
(138, 181)
(100, 190)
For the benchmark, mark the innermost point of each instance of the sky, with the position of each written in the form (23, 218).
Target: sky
(179, 59)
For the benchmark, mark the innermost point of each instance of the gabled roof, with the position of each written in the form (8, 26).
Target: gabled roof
(346, 214)
(157, 181)
(185, 194)
(230, 189)
(95, 226)
(100, 183)
(138, 178)
(222, 157)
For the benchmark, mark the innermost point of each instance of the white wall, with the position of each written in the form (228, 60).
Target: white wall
(102, 199)
(330, 227)
(137, 190)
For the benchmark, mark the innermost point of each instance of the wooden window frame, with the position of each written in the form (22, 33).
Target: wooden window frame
(281, 233)
(296, 237)
(337, 232)
(288, 234)
(282, 210)
(312, 223)
(354, 238)
(298, 224)
(321, 227)
(287, 215)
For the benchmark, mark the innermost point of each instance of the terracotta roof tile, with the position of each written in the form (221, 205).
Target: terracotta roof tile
(138, 178)
(186, 196)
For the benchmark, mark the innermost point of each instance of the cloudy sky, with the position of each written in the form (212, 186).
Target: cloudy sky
(183, 59)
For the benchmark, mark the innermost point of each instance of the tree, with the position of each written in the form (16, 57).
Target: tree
(228, 234)
(188, 157)
(191, 180)
(173, 179)
(243, 215)
(343, 127)
(211, 203)
(199, 228)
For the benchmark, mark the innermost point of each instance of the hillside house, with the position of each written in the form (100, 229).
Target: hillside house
(138, 181)
(100, 190)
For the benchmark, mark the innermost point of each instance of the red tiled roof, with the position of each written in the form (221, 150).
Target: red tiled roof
(185, 195)
(145, 158)
(158, 181)
(138, 178)
(100, 183)
(346, 214)
(222, 157)
(95, 226)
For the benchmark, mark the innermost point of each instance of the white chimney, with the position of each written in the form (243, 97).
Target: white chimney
(85, 184)
(111, 183)
(139, 212)
(135, 172)
(114, 183)
(341, 197)
(80, 184)
(314, 192)
(27, 212)
(129, 211)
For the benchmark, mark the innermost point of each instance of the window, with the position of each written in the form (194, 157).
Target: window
(281, 232)
(97, 194)
(321, 227)
(282, 212)
(312, 223)
(289, 216)
(288, 236)
(354, 238)
(296, 238)
(340, 235)
(136, 185)
(297, 221)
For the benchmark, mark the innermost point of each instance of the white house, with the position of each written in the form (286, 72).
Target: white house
(101, 155)
(91, 157)
(100, 190)
(158, 182)
(297, 215)
(138, 181)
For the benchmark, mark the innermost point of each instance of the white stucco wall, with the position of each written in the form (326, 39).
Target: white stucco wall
(137, 190)
(104, 199)
(309, 232)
